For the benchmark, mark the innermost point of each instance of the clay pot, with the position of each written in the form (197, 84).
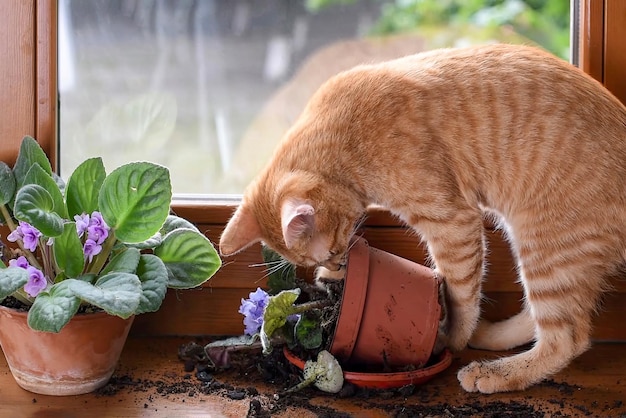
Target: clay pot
(390, 311)
(79, 359)
(389, 318)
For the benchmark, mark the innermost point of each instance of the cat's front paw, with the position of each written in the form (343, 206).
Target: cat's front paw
(322, 275)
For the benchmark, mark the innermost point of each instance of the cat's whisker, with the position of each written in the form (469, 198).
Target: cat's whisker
(265, 264)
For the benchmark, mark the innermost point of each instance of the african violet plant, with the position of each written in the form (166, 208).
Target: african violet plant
(279, 316)
(101, 240)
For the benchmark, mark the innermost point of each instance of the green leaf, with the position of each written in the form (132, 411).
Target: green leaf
(83, 187)
(7, 184)
(282, 278)
(175, 222)
(153, 276)
(117, 293)
(68, 251)
(33, 204)
(125, 262)
(37, 175)
(11, 279)
(30, 154)
(278, 308)
(152, 242)
(308, 331)
(190, 258)
(53, 309)
(135, 200)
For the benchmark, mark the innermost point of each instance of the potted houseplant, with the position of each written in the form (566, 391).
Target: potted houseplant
(101, 244)
(376, 328)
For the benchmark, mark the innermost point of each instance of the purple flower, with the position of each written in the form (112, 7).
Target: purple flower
(36, 281)
(98, 230)
(20, 262)
(82, 222)
(96, 220)
(27, 233)
(97, 233)
(91, 248)
(252, 310)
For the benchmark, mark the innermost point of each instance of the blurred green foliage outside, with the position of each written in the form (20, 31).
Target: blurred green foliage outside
(545, 22)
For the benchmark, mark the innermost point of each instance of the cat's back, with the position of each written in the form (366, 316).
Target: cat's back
(508, 119)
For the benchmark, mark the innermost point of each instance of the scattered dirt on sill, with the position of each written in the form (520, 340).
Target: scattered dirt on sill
(268, 376)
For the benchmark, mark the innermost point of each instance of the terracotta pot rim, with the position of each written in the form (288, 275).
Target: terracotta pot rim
(387, 380)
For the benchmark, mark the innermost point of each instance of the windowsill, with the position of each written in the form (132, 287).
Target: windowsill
(591, 385)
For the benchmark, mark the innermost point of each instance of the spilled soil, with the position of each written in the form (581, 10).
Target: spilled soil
(268, 376)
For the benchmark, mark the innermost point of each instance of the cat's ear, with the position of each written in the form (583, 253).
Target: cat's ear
(242, 230)
(297, 219)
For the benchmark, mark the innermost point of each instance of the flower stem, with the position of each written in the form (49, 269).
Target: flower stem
(307, 306)
(101, 258)
(7, 217)
(20, 295)
(304, 383)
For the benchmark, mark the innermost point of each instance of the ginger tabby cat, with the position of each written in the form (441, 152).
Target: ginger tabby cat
(440, 139)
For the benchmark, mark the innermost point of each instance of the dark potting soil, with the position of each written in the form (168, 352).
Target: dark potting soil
(13, 303)
(267, 377)
(274, 370)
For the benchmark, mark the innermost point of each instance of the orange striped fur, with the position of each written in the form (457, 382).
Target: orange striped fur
(440, 139)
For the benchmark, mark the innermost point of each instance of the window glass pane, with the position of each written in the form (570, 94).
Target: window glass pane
(208, 87)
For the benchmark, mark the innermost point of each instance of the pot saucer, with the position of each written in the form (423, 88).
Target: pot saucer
(387, 380)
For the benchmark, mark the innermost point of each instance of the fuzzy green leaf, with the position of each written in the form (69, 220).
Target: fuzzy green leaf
(33, 204)
(37, 175)
(11, 279)
(281, 278)
(278, 308)
(7, 184)
(124, 262)
(68, 251)
(117, 293)
(190, 258)
(153, 276)
(135, 200)
(308, 331)
(83, 187)
(175, 222)
(53, 309)
(30, 154)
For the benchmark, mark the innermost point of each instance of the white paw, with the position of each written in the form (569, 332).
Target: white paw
(322, 274)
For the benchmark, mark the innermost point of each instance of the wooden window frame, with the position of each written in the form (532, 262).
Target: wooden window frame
(28, 68)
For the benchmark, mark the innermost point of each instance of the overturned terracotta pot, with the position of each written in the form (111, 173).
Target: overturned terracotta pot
(389, 319)
(390, 310)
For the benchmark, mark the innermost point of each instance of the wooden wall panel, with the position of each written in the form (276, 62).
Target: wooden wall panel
(615, 47)
(45, 77)
(17, 72)
(591, 35)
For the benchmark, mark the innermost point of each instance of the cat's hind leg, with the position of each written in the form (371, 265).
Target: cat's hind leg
(504, 335)
(561, 304)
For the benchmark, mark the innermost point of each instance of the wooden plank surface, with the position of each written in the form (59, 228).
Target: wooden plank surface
(593, 385)
(17, 66)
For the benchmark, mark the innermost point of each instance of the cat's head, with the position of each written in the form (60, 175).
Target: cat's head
(306, 219)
